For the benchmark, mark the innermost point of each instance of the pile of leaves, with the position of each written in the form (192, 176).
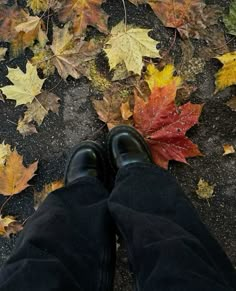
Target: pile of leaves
(145, 88)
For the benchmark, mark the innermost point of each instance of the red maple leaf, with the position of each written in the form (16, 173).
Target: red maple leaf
(164, 125)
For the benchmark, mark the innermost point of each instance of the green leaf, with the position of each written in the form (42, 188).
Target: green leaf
(230, 19)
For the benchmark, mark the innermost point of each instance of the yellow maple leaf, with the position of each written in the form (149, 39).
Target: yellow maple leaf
(14, 176)
(39, 197)
(5, 150)
(226, 76)
(25, 85)
(156, 78)
(38, 5)
(129, 44)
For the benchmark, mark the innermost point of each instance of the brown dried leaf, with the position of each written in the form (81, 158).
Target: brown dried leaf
(109, 109)
(71, 56)
(37, 111)
(84, 13)
(232, 103)
(14, 176)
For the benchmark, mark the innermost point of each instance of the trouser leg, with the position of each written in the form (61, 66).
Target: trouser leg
(169, 247)
(68, 244)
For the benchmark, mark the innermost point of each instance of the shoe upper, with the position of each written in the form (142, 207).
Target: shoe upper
(86, 161)
(127, 146)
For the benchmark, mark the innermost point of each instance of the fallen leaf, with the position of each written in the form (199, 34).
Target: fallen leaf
(190, 18)
(230, 19)
(3, 51)
(42, 59)
(13, 17)
(37, 111)
(71, 56)
(162, 78)
(228, 149)
(129, 45)
(82, 14)
(126, 113)
(205, 191)
(109, 109)
(38, 6)
(226, 76)
(14, 176)
(39, 197)
(25, 85)
(13, 228)
(232, 103)
(163, 125)
(33, 28)
(5, 150)
(216, 44)
(5, 222)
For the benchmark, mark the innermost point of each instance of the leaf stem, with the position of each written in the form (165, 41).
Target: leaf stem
(123, 1)
(4, 203)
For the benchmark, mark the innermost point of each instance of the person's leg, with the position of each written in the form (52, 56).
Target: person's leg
(69, 243)
(169, 247)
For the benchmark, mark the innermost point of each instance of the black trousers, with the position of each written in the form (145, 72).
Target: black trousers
(69, 243)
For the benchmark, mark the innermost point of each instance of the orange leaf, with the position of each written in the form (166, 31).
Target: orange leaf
(14, 176)
(164, 125)
(84, 13)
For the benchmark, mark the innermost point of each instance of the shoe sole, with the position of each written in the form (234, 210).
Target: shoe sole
(94, 146)
(126, 128)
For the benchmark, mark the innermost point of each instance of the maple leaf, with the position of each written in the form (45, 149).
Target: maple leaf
(230, 19)
(5, 150)
(72, 55)
(164, 125)
(129, 45)
(3, 51)
(189, 17)
(161, 78)
(226, 76)
(14, 176)
(84, 13)
(111, 109)
(33, 29)
(25, 85)
(39, 197)
(37, 111)
(9, 225)
(20, 29)
(38, 6)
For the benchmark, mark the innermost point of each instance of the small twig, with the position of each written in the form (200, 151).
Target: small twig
(123, 1)
(26, 220)
(4, 203)
(55, 86)
(8, 120)
(172, 45)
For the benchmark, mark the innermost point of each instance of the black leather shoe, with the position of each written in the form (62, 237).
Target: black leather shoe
(86, 160)
(126, 146)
